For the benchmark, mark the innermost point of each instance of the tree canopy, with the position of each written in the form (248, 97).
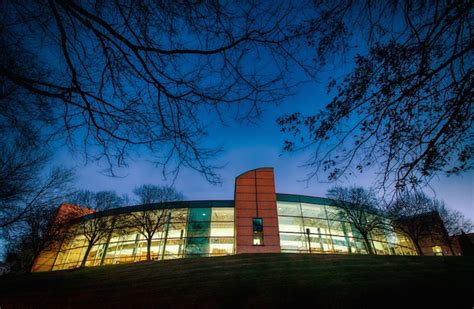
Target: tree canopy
(405, 110)
(114, 77)
(149, 193)
(361, 208)
(100, 200)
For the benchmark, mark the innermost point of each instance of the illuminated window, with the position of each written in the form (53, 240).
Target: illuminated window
(289, 209)
(437, 250)
(222, 214)
(257, 224)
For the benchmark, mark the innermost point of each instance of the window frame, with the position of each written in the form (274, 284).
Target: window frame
(257, 232)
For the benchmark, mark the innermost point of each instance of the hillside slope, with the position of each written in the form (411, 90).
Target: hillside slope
(262, 280)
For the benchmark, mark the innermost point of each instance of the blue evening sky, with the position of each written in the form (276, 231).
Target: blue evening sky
(250, 146)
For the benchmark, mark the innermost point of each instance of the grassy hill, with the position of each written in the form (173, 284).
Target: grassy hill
(261, 280)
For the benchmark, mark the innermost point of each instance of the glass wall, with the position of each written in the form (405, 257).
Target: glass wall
(186, 232)
(317, 228)
(306, 227)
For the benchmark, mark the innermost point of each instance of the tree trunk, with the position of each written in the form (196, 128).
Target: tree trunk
(84, 260)
(368, 245)
(148, 249)
(450, 245)
(418, 247)
(447, 240)
(32, 263)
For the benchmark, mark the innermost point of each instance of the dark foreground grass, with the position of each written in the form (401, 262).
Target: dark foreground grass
(259, 281)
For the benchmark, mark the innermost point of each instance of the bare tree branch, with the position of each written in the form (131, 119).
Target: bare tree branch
(406, 110)
(125, 76)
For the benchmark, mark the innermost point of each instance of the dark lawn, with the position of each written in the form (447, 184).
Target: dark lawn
(262, 280)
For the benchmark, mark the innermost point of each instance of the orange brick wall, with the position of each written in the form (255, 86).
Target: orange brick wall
(255, 197)
(66, 212)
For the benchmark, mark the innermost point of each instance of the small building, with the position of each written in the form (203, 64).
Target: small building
(433, 236)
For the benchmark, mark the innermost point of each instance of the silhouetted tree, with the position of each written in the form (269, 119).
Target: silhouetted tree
(41, 230)
(26, 241)
(22, 161)
(360, 208)
(467, 247)
(417, 216)
(94, 230)
(405, 110)
(117, 76)
(46, 192)
(454, 223)
(100, 200)
(28, 229)
(149, 221)
(148, 194)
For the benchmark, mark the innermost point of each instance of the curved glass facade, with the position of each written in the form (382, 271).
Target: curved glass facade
(317, 228)
(188, 232)
(191, 229)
